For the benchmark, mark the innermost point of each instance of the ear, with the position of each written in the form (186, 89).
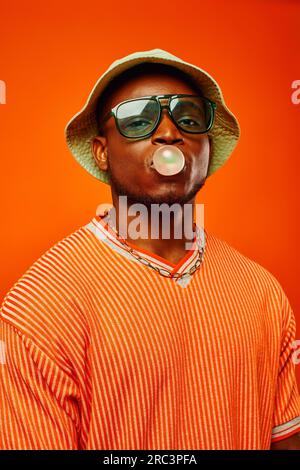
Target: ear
(99, 151)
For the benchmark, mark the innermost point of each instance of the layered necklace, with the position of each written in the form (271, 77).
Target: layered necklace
(164, 272)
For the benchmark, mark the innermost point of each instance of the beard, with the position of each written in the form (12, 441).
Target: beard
(143, 198)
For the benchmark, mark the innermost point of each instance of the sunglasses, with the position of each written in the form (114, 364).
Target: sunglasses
(140, 117)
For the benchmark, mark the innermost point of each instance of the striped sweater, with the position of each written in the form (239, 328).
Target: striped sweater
(99, 351)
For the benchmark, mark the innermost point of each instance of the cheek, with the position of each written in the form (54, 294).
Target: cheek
(118, 156)
(126, 159)
(124, 166)
(201, 158)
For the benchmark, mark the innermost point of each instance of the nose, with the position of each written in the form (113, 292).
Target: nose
(166, 131)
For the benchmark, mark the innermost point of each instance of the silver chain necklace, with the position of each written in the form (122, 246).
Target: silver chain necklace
(144, 261)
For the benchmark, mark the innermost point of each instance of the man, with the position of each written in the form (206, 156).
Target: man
(140, 342)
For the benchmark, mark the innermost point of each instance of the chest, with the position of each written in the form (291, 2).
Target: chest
(154, 331)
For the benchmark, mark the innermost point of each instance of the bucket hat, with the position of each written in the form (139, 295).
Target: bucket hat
(83, 127)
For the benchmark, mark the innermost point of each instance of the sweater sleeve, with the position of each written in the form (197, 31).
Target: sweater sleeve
(286, 417)
(38, 400)
(41, 356)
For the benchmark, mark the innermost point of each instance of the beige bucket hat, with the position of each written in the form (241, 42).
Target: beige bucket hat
(83, 127)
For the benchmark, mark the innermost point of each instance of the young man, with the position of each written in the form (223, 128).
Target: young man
(142, 343)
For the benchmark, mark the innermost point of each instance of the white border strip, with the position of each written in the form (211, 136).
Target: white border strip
(286, 428)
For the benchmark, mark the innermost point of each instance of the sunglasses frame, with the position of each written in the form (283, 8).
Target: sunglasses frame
(157, 98)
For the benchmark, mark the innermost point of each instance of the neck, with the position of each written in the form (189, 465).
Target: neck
(162, 229)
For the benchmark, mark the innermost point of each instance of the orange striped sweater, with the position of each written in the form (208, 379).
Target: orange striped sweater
(98, 351)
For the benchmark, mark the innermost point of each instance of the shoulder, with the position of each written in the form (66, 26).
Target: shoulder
(55, 266)
(45, 302)
(236, 267)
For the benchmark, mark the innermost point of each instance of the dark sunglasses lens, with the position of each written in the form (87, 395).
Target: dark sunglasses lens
(192, 114)
(137, 118)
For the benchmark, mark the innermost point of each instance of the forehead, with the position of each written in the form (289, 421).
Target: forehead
(145, 81)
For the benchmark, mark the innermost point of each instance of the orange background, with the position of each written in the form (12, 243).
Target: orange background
(51, 55)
